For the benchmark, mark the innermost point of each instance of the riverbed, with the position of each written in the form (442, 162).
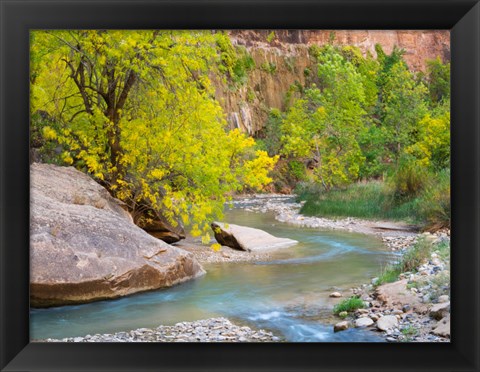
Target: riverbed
(288, 294)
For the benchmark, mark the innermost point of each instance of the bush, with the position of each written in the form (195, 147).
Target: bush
(297, 169)
(409, 179)
(434, 203)
(416, 255)
(389, 274)
(411, 260)
(350, 304)
(269, 67)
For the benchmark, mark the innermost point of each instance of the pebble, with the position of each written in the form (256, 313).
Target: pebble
(207, 330)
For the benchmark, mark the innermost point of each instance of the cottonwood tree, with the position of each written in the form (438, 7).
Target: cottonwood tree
(136, 109)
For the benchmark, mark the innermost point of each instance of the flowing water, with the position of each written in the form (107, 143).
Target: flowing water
(288, 296)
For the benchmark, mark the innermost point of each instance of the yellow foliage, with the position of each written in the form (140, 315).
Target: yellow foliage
(49, 133)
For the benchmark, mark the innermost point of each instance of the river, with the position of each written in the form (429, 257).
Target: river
(287, 295)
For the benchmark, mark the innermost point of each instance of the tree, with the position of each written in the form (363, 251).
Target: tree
(403, 106)
(438, 80)
(433, 146)
(325, 124)
(136, 109)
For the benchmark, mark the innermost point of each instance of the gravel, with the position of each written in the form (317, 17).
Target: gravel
(206, 330)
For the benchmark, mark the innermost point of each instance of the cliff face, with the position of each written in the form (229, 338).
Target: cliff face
(287, 50)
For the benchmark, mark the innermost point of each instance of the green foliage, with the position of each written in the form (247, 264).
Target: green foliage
(363, 200)
(403, 106)
(297, 169)
(324, 125)
(251, 95)
(271, 36)
(409, 179)
(434, 204)
(432, 149)
(135, 109)
(416, 255)
(235, 62)
(270, 135)
(410, 261)
(350, 304)
(269, 67)
(389, 274)
(409, 330)
(438, 80)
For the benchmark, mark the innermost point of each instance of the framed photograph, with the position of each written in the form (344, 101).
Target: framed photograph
(146, 144)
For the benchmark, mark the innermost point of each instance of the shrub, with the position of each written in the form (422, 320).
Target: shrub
(350, 304)
(416, 255)
(409, 179)
(434, 203)
(389, 274)
(269, 67)
(297, 169)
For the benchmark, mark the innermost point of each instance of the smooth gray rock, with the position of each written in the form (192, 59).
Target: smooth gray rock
(387, 322)
(85, 247)
(363, 322)
(248, 238)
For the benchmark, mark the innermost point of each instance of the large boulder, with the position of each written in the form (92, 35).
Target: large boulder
(247, 238)
(84, 246)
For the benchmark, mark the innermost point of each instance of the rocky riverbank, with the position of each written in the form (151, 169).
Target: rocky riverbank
(415, 308)
(207, 330)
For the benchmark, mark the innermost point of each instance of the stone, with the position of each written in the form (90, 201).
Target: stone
(363, 322)
(439, 311)
(443, 327)
(362, 311)
(341, 326)
(343, 314)
(443, 299)
(247, 238)
(396, 294)
(85, 247)
(387, 322)
(335, 294)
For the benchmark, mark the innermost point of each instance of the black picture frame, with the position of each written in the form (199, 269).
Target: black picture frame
(18, 17)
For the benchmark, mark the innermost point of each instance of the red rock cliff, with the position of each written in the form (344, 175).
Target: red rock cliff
(247, 107)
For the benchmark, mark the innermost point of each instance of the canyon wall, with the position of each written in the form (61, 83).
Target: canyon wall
(247, 106)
